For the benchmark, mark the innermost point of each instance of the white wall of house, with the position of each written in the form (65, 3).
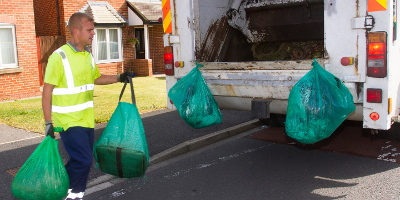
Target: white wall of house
(133, 19)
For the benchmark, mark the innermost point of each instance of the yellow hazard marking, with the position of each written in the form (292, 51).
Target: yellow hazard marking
(383, 3)
(377, 5)
(167, 23)
(166, 8)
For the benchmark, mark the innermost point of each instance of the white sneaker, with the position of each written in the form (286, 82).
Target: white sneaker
(75, 196)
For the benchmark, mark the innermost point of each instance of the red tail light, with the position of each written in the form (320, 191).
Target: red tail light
(374, 95)
(168, 61)
(376, 55)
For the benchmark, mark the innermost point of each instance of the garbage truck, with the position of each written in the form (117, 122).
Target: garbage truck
(254, 51)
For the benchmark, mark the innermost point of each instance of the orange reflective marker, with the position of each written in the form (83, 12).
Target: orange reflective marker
(377, 5)
(166, 8)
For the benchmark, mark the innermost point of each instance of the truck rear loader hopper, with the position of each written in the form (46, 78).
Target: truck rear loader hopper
(255, 51)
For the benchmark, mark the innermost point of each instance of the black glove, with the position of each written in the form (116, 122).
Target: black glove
(123, 76)
(49, 129)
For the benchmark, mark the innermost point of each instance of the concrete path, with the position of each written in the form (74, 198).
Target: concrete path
(10, 134)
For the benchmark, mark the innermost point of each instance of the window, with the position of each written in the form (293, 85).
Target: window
(8, 47)
(108, 46)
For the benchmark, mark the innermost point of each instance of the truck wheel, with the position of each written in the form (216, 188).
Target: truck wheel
(392, 134)
(275, 120)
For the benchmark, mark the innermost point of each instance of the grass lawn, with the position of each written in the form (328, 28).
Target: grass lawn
(150, 93)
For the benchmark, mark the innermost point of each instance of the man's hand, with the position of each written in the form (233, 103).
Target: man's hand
(49, 129)
(123, 76)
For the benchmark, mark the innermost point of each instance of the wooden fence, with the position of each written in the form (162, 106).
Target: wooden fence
(46, 46)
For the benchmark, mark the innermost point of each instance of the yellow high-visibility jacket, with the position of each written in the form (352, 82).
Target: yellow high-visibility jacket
(73, 73)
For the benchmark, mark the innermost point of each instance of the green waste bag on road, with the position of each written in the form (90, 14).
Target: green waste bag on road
(194, 101)
(122, 148)
(317, 105)
(43, 176)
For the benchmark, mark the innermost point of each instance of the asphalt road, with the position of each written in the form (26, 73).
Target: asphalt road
(164, 129)
(244, 168)
(257, 164)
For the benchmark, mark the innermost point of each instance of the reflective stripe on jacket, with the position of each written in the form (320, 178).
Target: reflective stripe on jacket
(72, 99)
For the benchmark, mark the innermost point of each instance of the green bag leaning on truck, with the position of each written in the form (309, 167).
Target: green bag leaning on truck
(194, 101)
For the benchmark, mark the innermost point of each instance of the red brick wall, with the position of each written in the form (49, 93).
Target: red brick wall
(24, 81)
(141, 67)
(68, 7)
(157, 47)
(111, 68)
(72, 6)
(46, 18)
(129, 51)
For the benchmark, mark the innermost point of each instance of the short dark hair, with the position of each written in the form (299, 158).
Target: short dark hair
(75, 21)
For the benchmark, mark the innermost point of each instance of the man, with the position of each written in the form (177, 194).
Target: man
(70, 77)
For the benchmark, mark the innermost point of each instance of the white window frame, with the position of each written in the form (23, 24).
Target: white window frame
(108, 60)
(12, 65)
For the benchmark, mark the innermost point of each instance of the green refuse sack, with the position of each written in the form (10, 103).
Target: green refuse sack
(122, 148)
(43, 175)
(194, 101)
(317, 105)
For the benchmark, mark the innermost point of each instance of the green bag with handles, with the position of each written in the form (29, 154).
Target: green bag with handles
(122, 148)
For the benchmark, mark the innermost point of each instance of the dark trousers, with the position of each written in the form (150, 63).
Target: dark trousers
(78, 142)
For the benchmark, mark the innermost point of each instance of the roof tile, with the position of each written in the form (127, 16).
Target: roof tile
(152, 11)
(103, 13)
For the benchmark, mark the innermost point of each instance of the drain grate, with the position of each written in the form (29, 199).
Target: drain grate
(13, 171)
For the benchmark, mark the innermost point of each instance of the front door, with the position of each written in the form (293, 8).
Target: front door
(139, 33)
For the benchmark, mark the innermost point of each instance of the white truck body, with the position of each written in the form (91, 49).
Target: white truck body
(235, 84)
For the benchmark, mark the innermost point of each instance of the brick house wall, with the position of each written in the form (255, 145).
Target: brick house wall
(68, 7)
(129, 51)
(46, 18)
(143, 67)
(157, 47)
(47, 13)
(22, 82)
(140, 67)
(71, 7)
